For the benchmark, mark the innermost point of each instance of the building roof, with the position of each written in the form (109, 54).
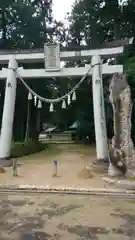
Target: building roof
(75, 125)
(50, 129)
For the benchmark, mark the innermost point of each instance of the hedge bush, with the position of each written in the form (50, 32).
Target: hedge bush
(26, 148)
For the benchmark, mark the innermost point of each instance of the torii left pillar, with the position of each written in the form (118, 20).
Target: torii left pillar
(8, 113)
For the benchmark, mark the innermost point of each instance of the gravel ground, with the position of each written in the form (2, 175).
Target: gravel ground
(59, 217)
(39, 171)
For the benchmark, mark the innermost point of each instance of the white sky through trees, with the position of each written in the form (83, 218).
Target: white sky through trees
(60, 8)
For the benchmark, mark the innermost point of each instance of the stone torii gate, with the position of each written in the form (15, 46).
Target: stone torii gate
(52, 57)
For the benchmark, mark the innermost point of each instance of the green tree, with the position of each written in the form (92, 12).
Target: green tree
(24, 23)
(29, 23)
(85, 24)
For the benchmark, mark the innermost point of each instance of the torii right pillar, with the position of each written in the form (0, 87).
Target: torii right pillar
(99, 112)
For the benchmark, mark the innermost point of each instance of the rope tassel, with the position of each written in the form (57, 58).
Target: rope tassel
(74, 96)
(63, 104)
(69, 100)
(51, 107)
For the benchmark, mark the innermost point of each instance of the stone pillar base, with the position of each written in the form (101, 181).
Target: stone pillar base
(102, 161)
(113, 171)
(100, 165)
(130, 174)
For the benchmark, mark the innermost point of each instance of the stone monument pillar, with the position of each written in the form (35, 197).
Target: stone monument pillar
(122, 155)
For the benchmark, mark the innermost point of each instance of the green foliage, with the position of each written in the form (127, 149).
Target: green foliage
(84, 130)
(21, 21)
(26, 148)
(130, 66)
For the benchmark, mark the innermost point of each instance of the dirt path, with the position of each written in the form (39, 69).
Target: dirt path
(57, 217)
(37, 169)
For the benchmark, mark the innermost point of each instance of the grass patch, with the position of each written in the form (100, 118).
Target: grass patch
(78, 148)
(132, 179)
(44, 155)
(52, 150)
(26, 148)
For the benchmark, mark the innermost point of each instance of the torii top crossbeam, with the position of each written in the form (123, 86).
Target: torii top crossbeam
(30, 56)
(53, 58)
(37, 55)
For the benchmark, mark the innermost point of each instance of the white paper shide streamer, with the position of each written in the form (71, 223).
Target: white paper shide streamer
(29, 96)
(35, 100)
(64, 104)
(51, 107)
(74, 96)
(39, 104)
(69, 99)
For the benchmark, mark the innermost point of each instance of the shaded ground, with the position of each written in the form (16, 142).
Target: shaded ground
(56, 217)
(37, 169)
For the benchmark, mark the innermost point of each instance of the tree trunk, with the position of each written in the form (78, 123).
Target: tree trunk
(4, 30)
(38, 123)
(27, 133)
